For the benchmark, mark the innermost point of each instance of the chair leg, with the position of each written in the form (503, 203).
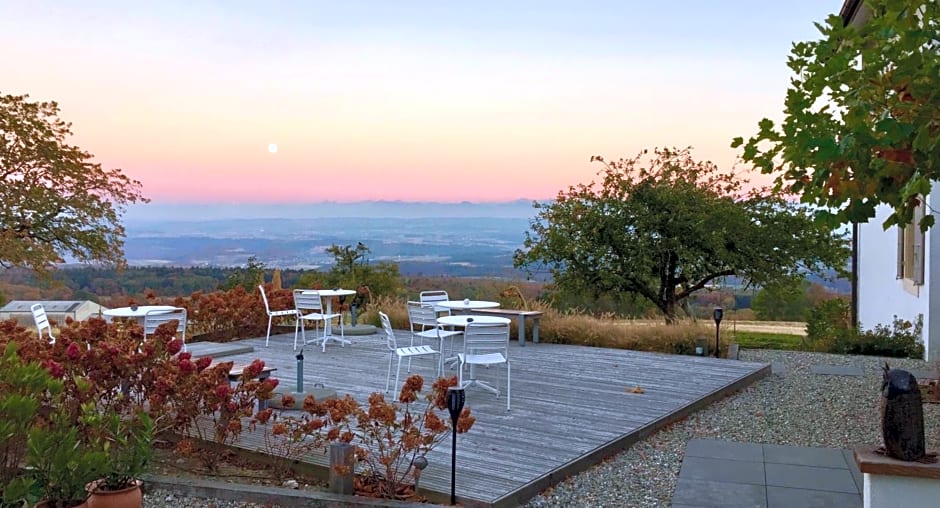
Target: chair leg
(388, 375)
(296, 330)
(268, 337)
(508, 384)
(398, 372)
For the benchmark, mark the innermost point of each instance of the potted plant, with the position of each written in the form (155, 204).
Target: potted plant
(63, 462)
(128, 445)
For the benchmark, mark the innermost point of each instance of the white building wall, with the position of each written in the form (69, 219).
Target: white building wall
(881, 295)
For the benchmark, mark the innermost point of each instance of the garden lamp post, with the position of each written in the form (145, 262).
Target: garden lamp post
(456, 397)
(300, 371)
(717, 314)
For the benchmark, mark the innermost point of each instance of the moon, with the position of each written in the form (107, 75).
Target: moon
(272, 147)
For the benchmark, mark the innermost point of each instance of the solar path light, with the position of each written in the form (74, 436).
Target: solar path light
(717, 314)
(456, 397)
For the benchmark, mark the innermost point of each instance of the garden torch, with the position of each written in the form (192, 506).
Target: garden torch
(456, 397)
(718, 314)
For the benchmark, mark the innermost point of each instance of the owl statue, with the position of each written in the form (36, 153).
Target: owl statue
(902, 416)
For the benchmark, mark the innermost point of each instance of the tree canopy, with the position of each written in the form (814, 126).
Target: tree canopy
(54, 200)
(861, 123)
(664, 226)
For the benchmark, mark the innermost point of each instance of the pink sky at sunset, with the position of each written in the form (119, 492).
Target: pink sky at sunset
(413, 101)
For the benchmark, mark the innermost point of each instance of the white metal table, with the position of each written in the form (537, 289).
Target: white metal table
(466, 306)
(328, 294)
(135, 311)
(462, 321)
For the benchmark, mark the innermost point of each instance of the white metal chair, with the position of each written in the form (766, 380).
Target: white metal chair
(430, 297)
(309, 307)
(42, 321)
(408, 352)
(153, 319)
(423, 321)
(485, 345)
(274, 314)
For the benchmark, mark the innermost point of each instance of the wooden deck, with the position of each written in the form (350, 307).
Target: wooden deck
(571, 407)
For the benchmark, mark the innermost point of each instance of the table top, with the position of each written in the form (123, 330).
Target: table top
(463, 320)
(465, 304)
(139, 311)
(333, 292)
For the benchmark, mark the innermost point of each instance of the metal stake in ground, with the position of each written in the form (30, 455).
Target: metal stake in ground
(718, 313)
(456, 397)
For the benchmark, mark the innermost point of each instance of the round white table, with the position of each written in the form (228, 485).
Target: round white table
(466, 306)
(328, 294)
(137, 312)
(463, 320)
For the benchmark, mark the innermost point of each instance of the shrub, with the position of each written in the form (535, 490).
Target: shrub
(901, 340)
(388, 435)
(829, 322)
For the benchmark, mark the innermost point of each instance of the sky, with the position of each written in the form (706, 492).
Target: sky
(481, 101)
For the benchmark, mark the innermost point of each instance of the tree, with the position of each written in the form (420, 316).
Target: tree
(249, 277)
(861, 122)
(786, 300)
(668, 229)
(54, 200)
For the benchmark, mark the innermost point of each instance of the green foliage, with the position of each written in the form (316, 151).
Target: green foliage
(828, 320)
(24, 387)
(54, 201)
(829, 329)
(861, 122)
(785, 300)
(247, 278)
(900, 340)
(128, 443)
(351, 269)
(759, 340)
(62, 461)
(666, 227)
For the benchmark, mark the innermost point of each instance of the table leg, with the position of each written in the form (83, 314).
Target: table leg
(521, 330)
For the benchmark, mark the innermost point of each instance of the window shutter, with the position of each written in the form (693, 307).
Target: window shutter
(900, 273)
(919, 251)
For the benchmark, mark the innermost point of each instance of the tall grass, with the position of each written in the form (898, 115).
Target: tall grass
(579, 329)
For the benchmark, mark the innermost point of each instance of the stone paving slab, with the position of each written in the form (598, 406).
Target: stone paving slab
(808, 477)
(705, 493)
(723, 470)
(717, 449)
(718, 473)
(837, 370)
(805, 456)
(782, 497)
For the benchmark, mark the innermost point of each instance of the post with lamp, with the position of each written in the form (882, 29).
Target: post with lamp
(717, 314)
(456, 397)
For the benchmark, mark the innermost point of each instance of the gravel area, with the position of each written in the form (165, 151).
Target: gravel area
(797, 408)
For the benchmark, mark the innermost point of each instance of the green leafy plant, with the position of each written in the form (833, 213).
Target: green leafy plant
(862, 115)
(63, 460)
(24, 388)
(128, 443)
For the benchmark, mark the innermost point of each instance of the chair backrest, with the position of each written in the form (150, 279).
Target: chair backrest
(264, 297)
(437, 295)
(155, 318)
(421, 316)
(42, 321)
(482, 338)
(389, 333)
(305, 299)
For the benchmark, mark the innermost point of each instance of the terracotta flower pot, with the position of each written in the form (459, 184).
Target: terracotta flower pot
(130, 497)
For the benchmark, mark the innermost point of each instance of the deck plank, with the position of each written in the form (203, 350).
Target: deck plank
(571, 407)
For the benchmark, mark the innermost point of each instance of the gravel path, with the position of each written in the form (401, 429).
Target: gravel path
(797, 408)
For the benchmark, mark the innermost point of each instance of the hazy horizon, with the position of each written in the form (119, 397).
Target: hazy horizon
(190, 212)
